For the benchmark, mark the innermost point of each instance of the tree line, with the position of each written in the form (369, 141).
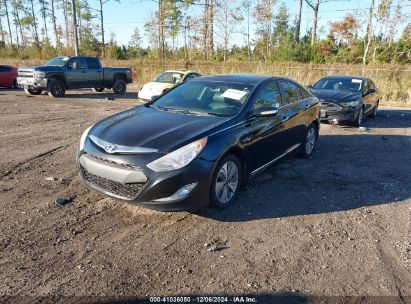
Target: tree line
(205, 29)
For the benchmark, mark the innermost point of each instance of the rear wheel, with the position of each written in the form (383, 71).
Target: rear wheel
(358, 121)
(226, 181)
(30, 91)
(98, 89)
(56, 88)
(14, 85)
(309, 141)
(119, 86)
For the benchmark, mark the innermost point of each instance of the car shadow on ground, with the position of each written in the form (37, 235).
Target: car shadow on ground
(106, 94)
(81, 94)
(398, 118)
(346, 172)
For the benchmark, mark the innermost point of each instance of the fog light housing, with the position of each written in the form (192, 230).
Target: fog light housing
(179, 195)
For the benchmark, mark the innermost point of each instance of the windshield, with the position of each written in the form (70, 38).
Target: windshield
(205, 98)
(338, 84)
(58, 61)
(169, 77)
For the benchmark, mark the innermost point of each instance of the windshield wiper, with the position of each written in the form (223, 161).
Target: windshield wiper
(159, 108)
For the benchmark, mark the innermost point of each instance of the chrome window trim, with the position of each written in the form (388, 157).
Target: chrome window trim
(263, 167)
(119, 149)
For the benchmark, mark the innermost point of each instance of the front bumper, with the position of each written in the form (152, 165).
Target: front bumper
(141, 186)
(339, 115)
(147, 95)
(36, 83)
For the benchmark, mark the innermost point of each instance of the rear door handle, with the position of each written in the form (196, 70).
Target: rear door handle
(83, 72)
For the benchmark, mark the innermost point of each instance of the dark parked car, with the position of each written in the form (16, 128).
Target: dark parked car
(198, 142)
(63, 73)
(8, 75)
(346, 99)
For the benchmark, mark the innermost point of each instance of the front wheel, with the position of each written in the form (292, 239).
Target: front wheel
(30, 91)
(226, 181)
(56, 88)
(119, 86)
(374, 112)
(309, 141)
(358, 121)
(98, 90)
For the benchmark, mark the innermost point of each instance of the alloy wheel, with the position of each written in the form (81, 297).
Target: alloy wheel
(360, 116)
(310, 141)
(226, 182)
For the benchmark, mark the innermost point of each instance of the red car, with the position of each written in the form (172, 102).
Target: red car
(8, 75)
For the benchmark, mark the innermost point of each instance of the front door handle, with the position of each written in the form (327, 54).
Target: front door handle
(83, 72)
(285, 118)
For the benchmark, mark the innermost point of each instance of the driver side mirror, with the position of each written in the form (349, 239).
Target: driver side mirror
(371, 91)
(309, 86)
(265, 112)
(72, 65)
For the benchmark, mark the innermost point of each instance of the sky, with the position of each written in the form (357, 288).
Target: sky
(122, 18)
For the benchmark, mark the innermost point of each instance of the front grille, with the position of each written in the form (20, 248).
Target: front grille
(329, 106)
(110, 162)
(126, 191)
(26, 74)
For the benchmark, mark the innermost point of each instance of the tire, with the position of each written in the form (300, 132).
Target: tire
(30, 91)
(14, 85)
(374, 112)
(56, 88)
(98, 89)
(119, 86)
(309, 141)
(220, 185)
(359, 119)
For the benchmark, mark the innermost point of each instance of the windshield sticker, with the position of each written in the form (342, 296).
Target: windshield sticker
(234, 94)
(65, 58)
(356, 80)
(176, 75)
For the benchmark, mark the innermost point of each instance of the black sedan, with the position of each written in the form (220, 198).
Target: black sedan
(346, 99)
(197, 143)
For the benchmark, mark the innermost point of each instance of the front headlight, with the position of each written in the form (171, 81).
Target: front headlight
(178, 158)
(40, 74)
(347, 104)
(83, 138)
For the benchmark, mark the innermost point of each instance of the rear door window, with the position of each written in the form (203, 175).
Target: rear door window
(4, 69)
(93, 63)
(290, 91)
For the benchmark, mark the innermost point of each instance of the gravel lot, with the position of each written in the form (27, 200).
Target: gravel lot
(338, 224)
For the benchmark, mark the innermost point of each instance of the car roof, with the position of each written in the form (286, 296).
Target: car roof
(342, 77)
(250, 79)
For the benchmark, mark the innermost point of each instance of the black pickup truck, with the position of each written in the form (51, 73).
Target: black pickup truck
(63, 73)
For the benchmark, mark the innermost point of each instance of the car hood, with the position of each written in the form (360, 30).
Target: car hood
(335, 96)
(152, 128)
(43, 68)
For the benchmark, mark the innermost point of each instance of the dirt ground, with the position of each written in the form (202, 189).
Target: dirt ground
(338, 224)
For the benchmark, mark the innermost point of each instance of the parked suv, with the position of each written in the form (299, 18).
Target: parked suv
(63, 73)
(198, 142)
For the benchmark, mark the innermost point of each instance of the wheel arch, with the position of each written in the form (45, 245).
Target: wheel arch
(56, 76)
